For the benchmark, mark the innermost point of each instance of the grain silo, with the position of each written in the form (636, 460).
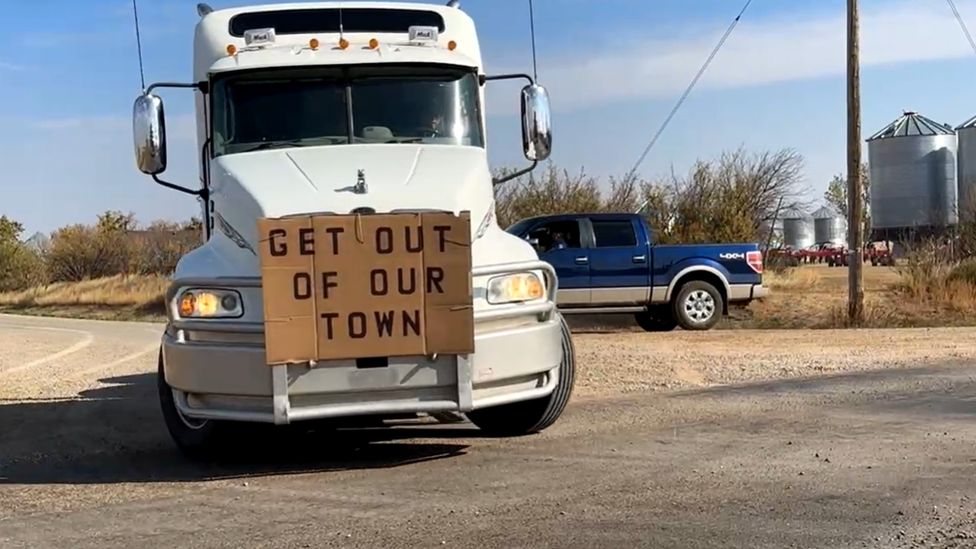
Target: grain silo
(829, 227)
(797, 230)
(913, 176)
(966, 135)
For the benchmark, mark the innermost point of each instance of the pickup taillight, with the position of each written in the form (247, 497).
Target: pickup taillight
(755, 261)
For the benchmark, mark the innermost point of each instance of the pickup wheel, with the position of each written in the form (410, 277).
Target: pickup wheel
(532, 416)
(658, 318)
(698, 306)
(197, 438)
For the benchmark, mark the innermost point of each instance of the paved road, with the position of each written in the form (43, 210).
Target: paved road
(882, 459)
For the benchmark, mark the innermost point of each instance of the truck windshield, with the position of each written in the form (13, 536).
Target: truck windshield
(337, 106)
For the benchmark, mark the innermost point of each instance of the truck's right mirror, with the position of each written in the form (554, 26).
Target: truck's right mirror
(536, 123)
(149, 134)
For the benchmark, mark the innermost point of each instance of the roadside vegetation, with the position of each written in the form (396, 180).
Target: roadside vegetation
(116, 268)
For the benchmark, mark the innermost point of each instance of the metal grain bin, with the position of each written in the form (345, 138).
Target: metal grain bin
(913, 174)
(798, 231)
(829, 226)
(966, 135)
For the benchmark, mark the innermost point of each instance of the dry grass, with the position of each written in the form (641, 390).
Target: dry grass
(112, 297)
(816, 297)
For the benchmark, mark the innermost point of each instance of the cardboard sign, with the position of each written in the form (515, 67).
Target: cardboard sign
(363, 286)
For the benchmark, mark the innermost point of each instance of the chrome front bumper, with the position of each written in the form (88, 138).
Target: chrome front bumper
(218, 371)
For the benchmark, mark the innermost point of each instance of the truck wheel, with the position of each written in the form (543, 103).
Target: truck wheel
(698, 306)
(656, 319)
(532, 416)
(196, 438)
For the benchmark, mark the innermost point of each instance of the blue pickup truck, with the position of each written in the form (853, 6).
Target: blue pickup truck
(608, 263)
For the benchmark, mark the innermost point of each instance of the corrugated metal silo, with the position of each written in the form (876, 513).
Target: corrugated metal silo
(913, 174)
(829, 226)
(966, 135)
(798, 231)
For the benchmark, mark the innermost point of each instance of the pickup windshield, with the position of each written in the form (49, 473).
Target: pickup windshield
(341, 105)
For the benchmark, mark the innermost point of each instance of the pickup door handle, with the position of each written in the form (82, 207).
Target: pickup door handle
(640, 259)
(582, 260)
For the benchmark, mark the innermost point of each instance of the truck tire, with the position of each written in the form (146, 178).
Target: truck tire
(657, 318)
(196, 439)
(532, 416)
(698, 306)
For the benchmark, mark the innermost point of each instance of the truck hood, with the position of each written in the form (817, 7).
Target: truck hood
(248, 186)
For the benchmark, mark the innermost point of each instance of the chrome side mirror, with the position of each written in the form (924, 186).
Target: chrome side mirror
(536, 123)
(149, 134)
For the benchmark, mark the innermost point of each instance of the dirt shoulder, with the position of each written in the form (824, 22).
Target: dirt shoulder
(619, 363)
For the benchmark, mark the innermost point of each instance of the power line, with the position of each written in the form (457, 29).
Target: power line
(691, 86)
(142, 72)
(962, 24)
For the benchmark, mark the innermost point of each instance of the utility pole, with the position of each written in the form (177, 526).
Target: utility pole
(855, 240)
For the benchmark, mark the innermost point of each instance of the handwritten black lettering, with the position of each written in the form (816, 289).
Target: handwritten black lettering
(441, 237)
(435, 275)
(384, 322)
(419, 246)
(355, 333)
(411, 320)
(335, 232)
(401, 285)
(306, 241)
(278, 249)
(378, 283)
(384, 233)
(329, 317)
(327, 283)
(302, 285)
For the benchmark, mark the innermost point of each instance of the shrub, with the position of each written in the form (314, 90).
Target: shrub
(964, 272)
(20, 266)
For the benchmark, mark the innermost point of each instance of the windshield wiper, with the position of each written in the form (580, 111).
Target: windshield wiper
(306, 142)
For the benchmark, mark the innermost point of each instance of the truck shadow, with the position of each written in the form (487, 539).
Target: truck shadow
(115, 434)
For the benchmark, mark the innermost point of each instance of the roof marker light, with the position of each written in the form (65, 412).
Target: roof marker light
(231, 49)
(314, 43)
(373, 43)
(343, 43)
(452, 45)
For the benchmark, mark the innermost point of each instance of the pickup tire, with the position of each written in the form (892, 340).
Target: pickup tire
(657, 318)
(532, 416)
(197, 439)
(698, 305)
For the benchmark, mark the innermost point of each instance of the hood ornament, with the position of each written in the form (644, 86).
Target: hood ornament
(361, 187)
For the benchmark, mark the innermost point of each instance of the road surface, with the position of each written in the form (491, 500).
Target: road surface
(877, 459)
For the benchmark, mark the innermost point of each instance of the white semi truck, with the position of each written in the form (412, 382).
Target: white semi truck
(349, 108)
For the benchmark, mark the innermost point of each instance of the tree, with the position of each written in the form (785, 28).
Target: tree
(836, 196)
(20, 266)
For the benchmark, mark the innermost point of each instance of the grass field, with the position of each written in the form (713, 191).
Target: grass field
(804, 297)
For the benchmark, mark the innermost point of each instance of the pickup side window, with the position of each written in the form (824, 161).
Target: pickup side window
(556, 235)
(614, 233)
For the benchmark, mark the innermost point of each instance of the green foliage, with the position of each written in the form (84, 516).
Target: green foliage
(20, 266)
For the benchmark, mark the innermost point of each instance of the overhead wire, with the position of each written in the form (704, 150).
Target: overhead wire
(691, 86)
(962, 24)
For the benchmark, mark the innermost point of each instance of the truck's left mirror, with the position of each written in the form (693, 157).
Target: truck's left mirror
(536, 123)
(149, 134)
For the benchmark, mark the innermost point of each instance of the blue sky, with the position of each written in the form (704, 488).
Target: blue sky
(68, 75)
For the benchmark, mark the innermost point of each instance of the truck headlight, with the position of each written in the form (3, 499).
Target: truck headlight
(201, 303)
(515, 287)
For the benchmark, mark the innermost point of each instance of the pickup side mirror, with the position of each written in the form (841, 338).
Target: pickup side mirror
(149, 134)
(536, 123)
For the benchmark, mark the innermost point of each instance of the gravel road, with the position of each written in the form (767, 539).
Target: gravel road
(721, 439)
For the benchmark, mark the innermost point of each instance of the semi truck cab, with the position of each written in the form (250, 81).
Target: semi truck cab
(349, 108)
